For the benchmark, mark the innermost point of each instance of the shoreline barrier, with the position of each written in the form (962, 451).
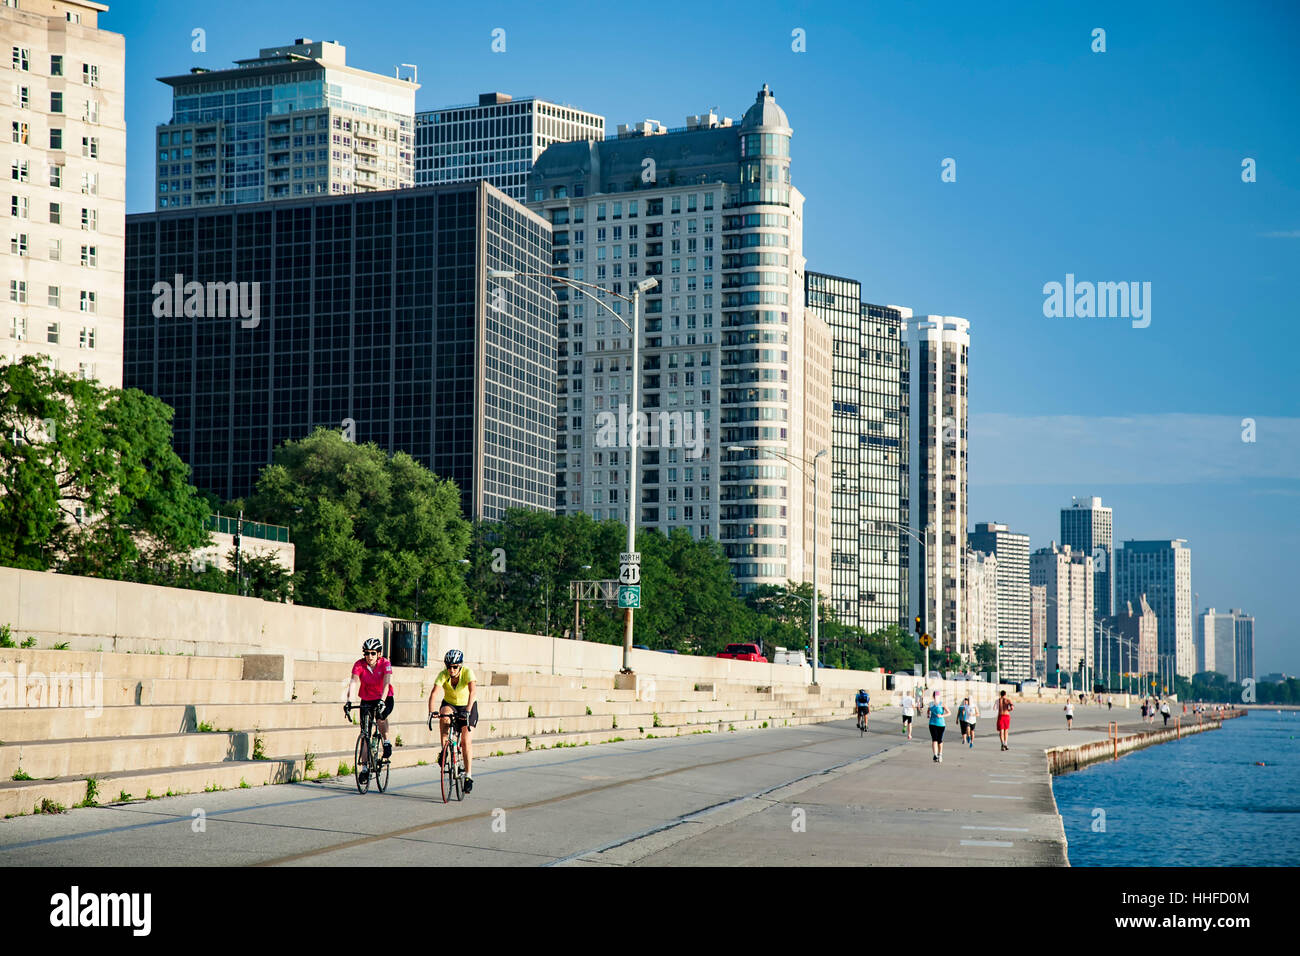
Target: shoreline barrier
(1062, 760)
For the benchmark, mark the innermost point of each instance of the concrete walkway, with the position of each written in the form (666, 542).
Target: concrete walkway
(980, 807)
(811, 795)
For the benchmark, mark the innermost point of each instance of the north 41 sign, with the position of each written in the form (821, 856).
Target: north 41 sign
(629, 574)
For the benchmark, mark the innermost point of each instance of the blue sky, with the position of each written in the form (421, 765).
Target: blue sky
(1123, 165)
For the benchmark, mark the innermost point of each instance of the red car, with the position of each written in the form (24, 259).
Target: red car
(744, 652)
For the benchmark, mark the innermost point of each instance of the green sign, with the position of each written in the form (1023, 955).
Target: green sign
(629, 595)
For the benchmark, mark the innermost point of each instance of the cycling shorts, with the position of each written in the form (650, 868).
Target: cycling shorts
(464, 713)
(371, 705)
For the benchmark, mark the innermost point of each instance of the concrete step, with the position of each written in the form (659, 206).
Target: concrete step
(36, 724)
(90, 755)
(110, 665)
(150, 690)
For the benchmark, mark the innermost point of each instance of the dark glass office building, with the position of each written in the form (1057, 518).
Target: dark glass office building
(869, 544)
(373, 314)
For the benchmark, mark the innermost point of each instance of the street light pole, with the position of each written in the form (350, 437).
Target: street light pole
(645, 285)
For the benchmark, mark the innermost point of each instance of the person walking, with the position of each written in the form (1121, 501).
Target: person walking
(1164, 711)
(1110, 701)
(1005, 707)
(1069, 715)
(909, 711)
(938, 711)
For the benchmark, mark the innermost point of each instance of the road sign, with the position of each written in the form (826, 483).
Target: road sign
(629, 557)
(925, 640)
(629, 596)
(629, 574)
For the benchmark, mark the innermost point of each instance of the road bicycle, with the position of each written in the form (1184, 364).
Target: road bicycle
(862, 724)
(370, 763)
(451, 760)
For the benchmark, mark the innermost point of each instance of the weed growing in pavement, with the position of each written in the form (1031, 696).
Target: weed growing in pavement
(21, 774)
(212, 788)
(323, 775)
(619, 740)
(732, 727)
(6, 636)
(92, 793)
(650, 737)
(123, 797)
(30, 642)
(764, 727)
(343, 769)
(422, 763)
(657, 721)
(205, 728)
(530, 709)
(259, 746)
(398, 741)
(309, 761)
(615, 727)
(48, 806)
(589, 709)
(528, 744)
(150, 795)
(244, 784)
(60, 647)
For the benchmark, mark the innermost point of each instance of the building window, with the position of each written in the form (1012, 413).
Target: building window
(90, 147)
(18, 171)
(22, 58)
(20, 133)
(87, 301)
(91, 114)
(56, 246)
(90, 74)
(56, 175)
(87, 338)
(18, 244)
(18, 328)
(52, 296)
(52, 333)
(56, 139)
(90, 256)
(90, 184)
(89, 219)
(56, 102)
(17, 291)
(21, 97)
(19, 206)
(56, 64)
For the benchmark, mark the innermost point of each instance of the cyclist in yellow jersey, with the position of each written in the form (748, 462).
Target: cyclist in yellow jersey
(456, 681)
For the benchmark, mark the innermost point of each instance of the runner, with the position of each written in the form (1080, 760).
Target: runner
(909, 711)
(966, 715)
(938, 711)
(1005, 707)
(1069, 715)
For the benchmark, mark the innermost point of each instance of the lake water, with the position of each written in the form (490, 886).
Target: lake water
(1200, 801)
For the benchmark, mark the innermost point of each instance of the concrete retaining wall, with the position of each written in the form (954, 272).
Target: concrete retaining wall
(1068, 759)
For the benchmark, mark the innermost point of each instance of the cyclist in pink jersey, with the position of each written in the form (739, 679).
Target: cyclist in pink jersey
(374, 676)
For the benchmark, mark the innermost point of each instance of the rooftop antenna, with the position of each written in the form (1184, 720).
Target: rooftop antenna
(415, 72)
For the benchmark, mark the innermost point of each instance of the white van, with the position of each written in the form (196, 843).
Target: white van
(783, 656)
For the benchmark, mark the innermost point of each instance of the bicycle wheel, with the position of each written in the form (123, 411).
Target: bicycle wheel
(380, 770)
(361, 765)
(448, 773)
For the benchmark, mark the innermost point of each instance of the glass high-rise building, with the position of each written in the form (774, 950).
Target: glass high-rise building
(1162, 570)
(1088, 527)
(293, 121)
(366, 313)
(497, 139)
(869, 454)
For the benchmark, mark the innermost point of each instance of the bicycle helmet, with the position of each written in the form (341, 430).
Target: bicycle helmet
(453, 657)
(861, 690)
(372, 644)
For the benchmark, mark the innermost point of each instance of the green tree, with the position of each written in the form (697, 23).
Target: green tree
(371, 531)
(89, 483)
(986, 656)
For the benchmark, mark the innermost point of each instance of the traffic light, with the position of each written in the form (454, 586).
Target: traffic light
(918, 628)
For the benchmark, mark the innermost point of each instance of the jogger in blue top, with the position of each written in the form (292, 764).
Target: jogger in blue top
(937, 711)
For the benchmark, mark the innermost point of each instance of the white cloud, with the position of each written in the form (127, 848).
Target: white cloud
(1138, 449)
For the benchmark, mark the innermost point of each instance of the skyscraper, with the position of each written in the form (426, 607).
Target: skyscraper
(1068, 577)
(366, 313)
(728, 349)
(1244, 626)
(1012, 550)
(1162, 570)
(293, 121)
(497, 139)
(936, 387)
(1038, 630)
(1086, 526)
(869, 454)
(1216, 643)
(66, 158)
(981, 603)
